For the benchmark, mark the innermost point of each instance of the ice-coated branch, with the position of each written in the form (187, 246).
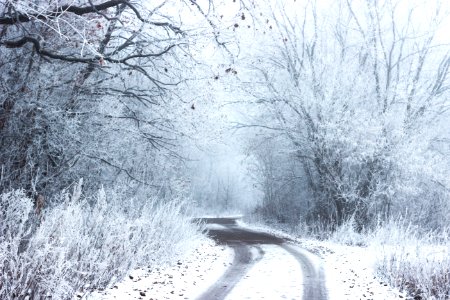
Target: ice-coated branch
(20, 17)
(43, 52)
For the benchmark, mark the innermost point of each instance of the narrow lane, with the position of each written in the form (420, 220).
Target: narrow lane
(242, 241)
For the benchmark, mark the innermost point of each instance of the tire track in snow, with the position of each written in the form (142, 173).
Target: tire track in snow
(242, 240)
(241, 264)
(313, 276)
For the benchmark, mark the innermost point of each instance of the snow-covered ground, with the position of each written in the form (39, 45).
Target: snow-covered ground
(184, 279)
(276, 276)
(349, 273)
(349, 270)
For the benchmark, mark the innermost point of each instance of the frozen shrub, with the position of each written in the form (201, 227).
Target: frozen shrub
(416, 262)
(79, 246)
(14, 229)
(348, 234)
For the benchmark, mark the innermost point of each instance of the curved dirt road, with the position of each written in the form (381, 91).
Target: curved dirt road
(240, 239)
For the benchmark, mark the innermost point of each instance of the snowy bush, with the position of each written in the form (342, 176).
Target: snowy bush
(409, 257)
(416, 262)
(78, 246)
(348, 234)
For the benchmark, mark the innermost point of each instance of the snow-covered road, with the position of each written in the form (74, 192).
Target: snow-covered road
(264, 266)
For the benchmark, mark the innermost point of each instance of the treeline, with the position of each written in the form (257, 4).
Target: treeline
(352, 113)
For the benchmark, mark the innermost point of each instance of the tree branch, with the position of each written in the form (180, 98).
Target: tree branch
(119, 168)
(37, 46)
(90, 60)
(77, 10)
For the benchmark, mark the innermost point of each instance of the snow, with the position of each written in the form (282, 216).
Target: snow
(223, 216)
(276, 276)
(350, 272)
(215, 227)
(185, 279)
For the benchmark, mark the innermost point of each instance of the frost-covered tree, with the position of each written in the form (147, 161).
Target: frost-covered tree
(99, 90)
(359, 90)
(98, 93)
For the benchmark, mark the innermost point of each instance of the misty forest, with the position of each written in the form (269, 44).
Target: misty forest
(122, 121)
